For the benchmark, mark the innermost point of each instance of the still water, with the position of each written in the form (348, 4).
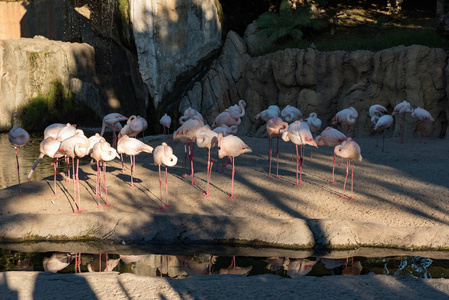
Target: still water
(181, 265)
(27, 156)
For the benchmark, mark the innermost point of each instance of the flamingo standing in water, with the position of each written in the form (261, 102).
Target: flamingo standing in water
(163, 156)
(186, 134)
(132, 147)
(330, 137)
(18, 138)
(231, 146)
(275, 128)
(166, 122)
(346, 117)
(401, 109)
(103, 152)
(299, 133)
(291, 114)
(77, 147)
(49, 147)
(421, 114)
(383, 123)
(112, 121)
(206, 138)
(349, 150)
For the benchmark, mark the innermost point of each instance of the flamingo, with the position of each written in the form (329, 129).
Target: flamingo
(134, 126)
(330, 137)
(57, 261)
(131, 146)
(299, 133)
(291, 114)
(112, 121)
(383, 123)
(401, 109)
(186, 134)
(272, 111)
(66, 132)
(166, 122)
(346, 116)
(377, 110)
(103, 152)
(231, 146)
(421, 114)
(314, 124)
(206, 138)
(275, 128)
(225, 131)
(163, 156)
(349, 150)
(77, 147)
(49, 147)
(189, 113)
(231, 116)
(53, 130)
(18, 138)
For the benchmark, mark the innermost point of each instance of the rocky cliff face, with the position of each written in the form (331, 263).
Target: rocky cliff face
(29, 65)
(325, 83)
(171, 38)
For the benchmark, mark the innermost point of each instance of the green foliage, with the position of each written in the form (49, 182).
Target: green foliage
(288, 24)
(57, 106)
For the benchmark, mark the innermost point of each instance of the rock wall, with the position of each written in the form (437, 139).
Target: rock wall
(325, 83)
(29, 65)
(171, 37)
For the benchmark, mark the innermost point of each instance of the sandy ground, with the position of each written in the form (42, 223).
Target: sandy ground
(405, 186)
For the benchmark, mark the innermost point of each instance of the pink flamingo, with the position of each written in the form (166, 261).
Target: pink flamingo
(347, 117)
(189, 113)
(49, 147)
(231, 116)
(132, 147)
(421, 114)
(401, 109)
(314, 124)
(275, 128)
(18, 138)
(77, 147)
(163, 156)
(377, 110)
(112, 121)
(206, 138)
(299, 133)
(103, 152)
(134, 126)
(300, 267)
(383, 123)
(53, 130)
(291, 114)
(273, 111)
(349, 150)
(231, 146)
(66, 132)
(186, 134)
(330, 137)
(166, 122)
(225, 131)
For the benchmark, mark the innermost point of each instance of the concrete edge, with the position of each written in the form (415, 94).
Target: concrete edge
(196, 229)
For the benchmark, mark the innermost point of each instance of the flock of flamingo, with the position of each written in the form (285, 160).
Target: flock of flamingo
(65, 141)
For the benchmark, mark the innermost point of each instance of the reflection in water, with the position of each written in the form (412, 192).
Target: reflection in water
(182, 266)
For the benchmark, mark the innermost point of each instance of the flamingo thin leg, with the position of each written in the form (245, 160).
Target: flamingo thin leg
(160, 189)
(18, 173)
(105, 188)
(166, 189)
(347, 171)
(269, 157)
(232, 182)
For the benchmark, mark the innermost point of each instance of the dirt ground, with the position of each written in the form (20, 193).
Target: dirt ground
(407, 185)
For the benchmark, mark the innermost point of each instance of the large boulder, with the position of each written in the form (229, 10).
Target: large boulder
(171, 38)
(29, 65)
